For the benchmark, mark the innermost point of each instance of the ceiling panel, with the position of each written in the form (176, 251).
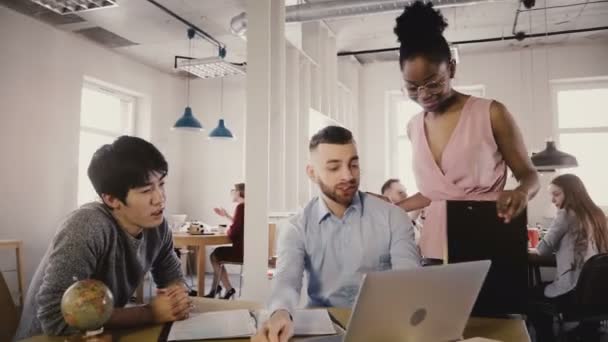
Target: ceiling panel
(159, 37)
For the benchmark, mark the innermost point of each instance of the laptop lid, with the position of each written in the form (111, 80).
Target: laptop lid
(475, 232)
(422, 304)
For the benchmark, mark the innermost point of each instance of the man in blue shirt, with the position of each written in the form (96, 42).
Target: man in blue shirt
(338, 237)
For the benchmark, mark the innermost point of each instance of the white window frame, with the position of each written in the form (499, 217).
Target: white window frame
(393, 97)
(128, 124)
(575, 84)
(126, 100)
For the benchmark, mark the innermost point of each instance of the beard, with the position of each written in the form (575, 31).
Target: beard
(342, 193)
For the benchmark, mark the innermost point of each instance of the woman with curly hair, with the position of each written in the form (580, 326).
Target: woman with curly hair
(462, 145)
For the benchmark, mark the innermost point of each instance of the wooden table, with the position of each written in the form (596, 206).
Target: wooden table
(507, 330)
(17, 245)
(201, 241)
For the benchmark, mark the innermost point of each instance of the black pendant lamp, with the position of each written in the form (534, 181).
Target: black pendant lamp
(551, 159)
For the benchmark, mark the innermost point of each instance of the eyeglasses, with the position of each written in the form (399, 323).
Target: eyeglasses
(432, 87)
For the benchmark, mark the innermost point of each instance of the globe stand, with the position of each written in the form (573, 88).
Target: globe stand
(91, 336)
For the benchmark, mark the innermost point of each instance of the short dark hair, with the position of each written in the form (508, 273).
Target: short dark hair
(123, 165)
(240, 187)
(388, 184)
(331, 135)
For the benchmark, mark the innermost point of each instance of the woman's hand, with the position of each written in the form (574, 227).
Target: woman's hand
(221, 212)
(511, 203)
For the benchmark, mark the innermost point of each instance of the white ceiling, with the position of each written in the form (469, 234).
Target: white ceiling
(160, 37)
(480, 21)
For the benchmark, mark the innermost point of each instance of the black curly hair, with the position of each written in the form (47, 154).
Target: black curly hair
(420, 29)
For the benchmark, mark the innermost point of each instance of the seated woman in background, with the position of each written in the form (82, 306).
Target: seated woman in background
(233, 253)
(578, 232)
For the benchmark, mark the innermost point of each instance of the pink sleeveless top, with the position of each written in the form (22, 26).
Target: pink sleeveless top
(472, 168)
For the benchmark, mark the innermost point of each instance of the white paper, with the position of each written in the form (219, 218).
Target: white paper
(312, 322)
(307, 322)
(214, 325)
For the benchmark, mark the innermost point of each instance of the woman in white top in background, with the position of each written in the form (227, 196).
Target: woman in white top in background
(578, 232)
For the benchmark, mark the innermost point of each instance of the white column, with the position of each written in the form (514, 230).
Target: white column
(277, 110)
(341, 105)
(259, 84)
(356, 101)
(311, 44)
(348, 74)
(303, 121)
(348, 109)
(292, 94)
(332, 77)
(324, 70)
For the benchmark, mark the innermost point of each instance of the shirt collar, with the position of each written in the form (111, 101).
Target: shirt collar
(356, 205)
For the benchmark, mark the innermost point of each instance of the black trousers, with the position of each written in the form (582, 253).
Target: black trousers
(542, 321)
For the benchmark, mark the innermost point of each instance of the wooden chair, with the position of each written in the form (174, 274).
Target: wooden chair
(272, 259)
(10, 315)
(17, 245)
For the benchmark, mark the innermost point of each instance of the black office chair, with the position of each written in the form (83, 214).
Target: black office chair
(591, 296)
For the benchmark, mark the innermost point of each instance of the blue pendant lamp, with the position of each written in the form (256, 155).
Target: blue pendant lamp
(188, 122)
(221, 132)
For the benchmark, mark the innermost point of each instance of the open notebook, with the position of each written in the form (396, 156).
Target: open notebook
(243, 323)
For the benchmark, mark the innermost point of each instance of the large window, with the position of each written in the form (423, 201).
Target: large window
(582, 126)
(401, 111)
(104, 115)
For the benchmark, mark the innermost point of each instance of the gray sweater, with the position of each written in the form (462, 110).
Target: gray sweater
(560, 240)
(90, 244)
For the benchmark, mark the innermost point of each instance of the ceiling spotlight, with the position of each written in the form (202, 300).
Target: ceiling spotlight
(211, 67)
(74, 6)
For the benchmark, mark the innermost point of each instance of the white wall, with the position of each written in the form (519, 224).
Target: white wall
(519, 79)
(41, 75)
(212, 167)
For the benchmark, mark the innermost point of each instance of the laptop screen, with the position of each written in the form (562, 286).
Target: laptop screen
(475, 232)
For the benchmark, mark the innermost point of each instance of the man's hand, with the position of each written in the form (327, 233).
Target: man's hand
(279, 328)
(171, 304)
(511, 203)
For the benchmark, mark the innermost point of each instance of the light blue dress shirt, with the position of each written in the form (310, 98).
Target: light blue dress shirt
(335, 253)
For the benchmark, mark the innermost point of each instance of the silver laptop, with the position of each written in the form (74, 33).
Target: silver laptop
(430, 304)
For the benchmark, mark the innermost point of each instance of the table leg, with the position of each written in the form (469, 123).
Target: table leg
(139, 292)
(200, 269)
(19, 256)
(537, 277)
